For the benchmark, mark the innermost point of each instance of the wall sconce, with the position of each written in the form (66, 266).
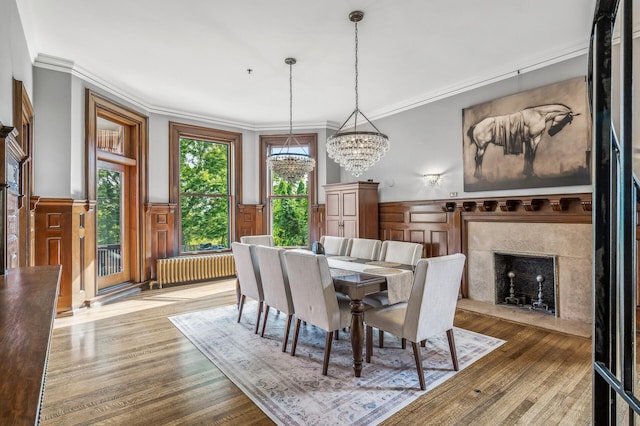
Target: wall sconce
(431, 179)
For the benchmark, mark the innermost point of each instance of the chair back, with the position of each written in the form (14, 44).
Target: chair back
(432, 303)
(312, 291)
(364, 248)
(275, 282)
(247, 270)
(336, 246)
(259, 240)
(401, 252)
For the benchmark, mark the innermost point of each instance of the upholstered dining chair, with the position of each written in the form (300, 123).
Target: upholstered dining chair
(259, 240)
(429, 310)
(248, 273)
(334, 245)
(314, 298)
(364, 248)
(395, 252)
(400, 252)
(275, 286)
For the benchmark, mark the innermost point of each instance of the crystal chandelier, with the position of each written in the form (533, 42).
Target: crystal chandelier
(287, 163)
(356, 150)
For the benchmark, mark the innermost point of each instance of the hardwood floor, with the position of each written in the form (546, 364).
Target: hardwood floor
(125, 363)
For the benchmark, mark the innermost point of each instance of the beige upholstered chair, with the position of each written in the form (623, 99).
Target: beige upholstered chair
(400, 252)
(259, 240)
(429, 311)
(364, 248)
(275, 285)
(248, 274)
(397, 252)
(334, 245)
(314, 298)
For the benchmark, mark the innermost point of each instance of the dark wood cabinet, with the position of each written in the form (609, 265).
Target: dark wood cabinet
(351, 209)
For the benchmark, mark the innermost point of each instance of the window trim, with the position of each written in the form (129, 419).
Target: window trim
(181, 130)
(309, 139)
(137, 149)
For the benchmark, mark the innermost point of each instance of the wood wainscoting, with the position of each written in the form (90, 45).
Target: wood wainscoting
(424, 222)
(442, 225)
(160, 232)
(65, 235)
(250, 220)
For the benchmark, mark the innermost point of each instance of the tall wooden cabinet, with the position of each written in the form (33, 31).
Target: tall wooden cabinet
(351, 209)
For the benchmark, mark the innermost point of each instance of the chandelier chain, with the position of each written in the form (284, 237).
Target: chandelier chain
(290, 101)
(356, 66)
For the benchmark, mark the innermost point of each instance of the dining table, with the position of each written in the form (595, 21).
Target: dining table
(357, 278)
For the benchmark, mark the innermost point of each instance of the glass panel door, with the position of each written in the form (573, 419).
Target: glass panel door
(111, 205)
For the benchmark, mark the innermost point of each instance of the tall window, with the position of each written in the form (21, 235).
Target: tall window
(205, 181)
(287, 205)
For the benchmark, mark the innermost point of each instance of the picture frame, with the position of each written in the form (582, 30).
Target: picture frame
(532, 139)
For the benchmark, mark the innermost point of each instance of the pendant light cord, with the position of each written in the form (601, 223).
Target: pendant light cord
(356, 65)
(355, 122)
(290, 101)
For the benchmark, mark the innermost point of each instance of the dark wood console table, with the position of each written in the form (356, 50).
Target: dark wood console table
(27, 308)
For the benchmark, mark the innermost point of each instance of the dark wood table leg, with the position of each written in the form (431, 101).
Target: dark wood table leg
(357, 334)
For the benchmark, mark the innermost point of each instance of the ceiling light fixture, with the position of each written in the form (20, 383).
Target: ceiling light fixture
(357, 150)
(291, 163)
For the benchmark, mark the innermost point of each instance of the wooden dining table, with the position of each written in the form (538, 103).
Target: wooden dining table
(356, 285)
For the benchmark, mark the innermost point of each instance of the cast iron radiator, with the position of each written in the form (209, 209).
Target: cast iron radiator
(188, 269)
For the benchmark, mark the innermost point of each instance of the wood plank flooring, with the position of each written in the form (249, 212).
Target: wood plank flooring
(125, 363)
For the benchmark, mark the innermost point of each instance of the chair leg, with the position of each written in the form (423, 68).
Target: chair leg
(327, 352)
(295, 338)
(336, 335)
(369, 343)
(380, 338)
(452, 348)
(423, 343)
(240, 306)
(238, 295)
(264, 321)
(404, 343)
(418, 357)
(287, 328)
(258, 318)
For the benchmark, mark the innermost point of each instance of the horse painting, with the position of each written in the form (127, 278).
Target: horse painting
(519, 132)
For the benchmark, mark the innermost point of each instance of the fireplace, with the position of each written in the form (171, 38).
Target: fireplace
(525, 280)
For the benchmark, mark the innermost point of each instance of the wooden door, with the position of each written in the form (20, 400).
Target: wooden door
(349, 201)
(332, 214)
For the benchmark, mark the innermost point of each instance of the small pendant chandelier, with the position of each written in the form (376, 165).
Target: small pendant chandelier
(356, 150)
(291, 164)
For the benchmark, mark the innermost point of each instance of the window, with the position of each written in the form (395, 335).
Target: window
(205, 181)
(287, 206)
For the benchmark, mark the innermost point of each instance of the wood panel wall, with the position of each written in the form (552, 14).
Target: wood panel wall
(160, 232)
(421, 222)
(250, 220)
(65, 235)
(441, 225)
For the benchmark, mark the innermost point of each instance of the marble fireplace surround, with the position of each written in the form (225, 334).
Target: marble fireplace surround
(571, 243)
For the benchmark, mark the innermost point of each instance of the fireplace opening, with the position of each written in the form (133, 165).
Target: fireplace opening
(526, 281)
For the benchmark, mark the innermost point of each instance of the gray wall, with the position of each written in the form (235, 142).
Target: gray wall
(15, 61)
(428, 139)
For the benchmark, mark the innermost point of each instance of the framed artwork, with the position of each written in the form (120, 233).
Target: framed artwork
(538, 138)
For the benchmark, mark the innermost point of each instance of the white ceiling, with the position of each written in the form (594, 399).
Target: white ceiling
(192, 56)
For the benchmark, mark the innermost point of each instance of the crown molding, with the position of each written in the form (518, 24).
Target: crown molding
(496, 75)
(64, 65)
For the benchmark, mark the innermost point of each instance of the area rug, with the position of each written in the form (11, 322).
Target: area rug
(293, 391)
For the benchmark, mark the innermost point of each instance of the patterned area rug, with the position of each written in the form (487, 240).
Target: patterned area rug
(292, 390)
